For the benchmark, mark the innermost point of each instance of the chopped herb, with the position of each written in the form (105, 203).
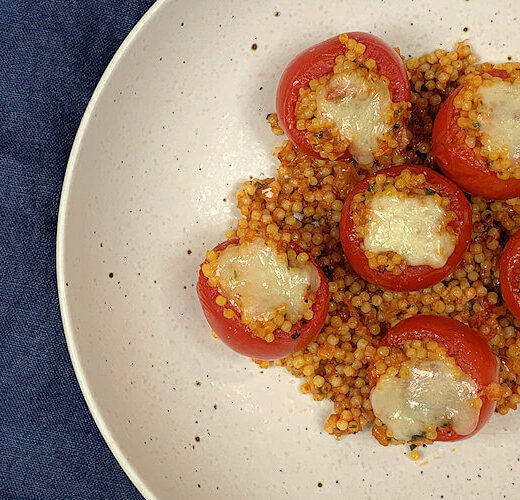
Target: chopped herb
(295, 335)
(430, 191)
(319, 135)
(396, 125)
(371, 187)
(259, 185)
(235, 274)
(353, 426)
(476, 125)
(417, 437)
(412, 447)
(328, 272)
(487, 215)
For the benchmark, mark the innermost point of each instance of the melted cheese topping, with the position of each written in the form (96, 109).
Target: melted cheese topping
(410, 226)
(258, 279)
(431, 395)
(501, 116)
(358, 113)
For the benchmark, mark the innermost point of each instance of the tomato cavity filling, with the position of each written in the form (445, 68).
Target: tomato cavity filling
(403, 222)
(271, 289)
(423, 392)
(351, 109)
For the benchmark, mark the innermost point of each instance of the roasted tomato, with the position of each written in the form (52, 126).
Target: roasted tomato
(318, 61)
(254, 278)
(432, 379)
(405, 227)
(480, 171)
(510, 275)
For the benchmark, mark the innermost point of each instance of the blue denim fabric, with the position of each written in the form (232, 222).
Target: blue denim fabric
(52, 53)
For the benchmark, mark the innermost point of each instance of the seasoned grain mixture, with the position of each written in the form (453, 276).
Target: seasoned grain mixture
(303, 204)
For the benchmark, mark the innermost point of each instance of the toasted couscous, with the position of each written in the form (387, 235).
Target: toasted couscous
(303, 204)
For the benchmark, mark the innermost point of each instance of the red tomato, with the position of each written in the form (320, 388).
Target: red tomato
(414, 277)
(317, 61)
(470, 350)
(240, 338)
(510, 274)
(460, 163)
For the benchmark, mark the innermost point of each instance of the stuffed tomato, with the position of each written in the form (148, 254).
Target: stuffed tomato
(345, 97)
(476, 134)
(432, 379)
(261, 301)
(405, 228)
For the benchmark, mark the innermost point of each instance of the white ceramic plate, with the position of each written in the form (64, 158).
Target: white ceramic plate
(177, 121)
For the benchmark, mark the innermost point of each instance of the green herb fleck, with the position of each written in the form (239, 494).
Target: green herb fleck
(396, 125)
(476, 125)
(412, 447)
(371, 187)
(430, 191)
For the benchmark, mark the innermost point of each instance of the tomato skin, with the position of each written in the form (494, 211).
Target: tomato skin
(460, 163)
(415, 277)
(316, 62)
(239, 337)
(509, 274)
(470, 350)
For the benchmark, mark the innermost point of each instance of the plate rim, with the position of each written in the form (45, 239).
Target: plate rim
(66, 320)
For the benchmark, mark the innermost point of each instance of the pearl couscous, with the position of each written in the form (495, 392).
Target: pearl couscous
(303, 204)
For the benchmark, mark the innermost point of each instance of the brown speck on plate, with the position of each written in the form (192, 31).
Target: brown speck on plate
(320, 484)
(197, 438)
(110, 275)
(254, 46)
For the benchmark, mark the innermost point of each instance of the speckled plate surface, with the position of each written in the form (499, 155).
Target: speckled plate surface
(176, 123)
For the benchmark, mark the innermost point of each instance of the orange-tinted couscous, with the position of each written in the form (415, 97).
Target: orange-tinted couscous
(303, 204)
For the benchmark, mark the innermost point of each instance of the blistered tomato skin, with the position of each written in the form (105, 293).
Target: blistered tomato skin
(318, 61)
(470, 351)
(510, 275)
(240, 338)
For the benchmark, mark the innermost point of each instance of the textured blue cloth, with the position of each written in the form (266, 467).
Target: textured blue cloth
(52, 53)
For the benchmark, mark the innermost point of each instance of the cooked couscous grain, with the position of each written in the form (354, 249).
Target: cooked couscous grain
(303, 204)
